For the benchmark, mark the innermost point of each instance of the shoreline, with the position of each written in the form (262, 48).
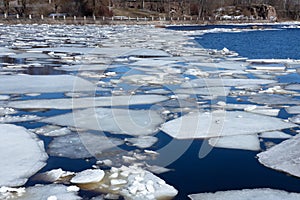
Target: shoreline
(141, 21)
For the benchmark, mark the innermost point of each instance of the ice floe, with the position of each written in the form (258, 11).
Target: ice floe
(246, 194)
(22, 155)
(119, 121)
(87, 102)
(52, 131)
(21, 84)
(134, 183)
(88, 176)
(273, 99)
(210, 82)
(293, 110)
(22, 118)
(4, 97)
(221, 123)
(49, 192)
(245, 142)
(275, 134)
(142, 141)
(84, 145)
(283, 157)
(7, 111)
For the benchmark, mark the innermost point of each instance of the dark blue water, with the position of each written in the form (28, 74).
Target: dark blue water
(268, 44)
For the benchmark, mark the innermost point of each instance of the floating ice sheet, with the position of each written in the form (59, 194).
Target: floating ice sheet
(293, 110)
(245, 142)
(273, 99)
(221, 123)
(21, 84)
(22, 155)
(209, 82)
(247, 194)
(283, 157)
(120, 121)
(208, 91)
(275, 134)
(75, 103)
(84, 145)
(86, 67)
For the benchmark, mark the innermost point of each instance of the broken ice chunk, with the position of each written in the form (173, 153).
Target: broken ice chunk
(23, 118)
(84, 145)
(247, 194)
(245, 142)
(4, 97)
(44, 192)
(293, 110)
(88, 176)
(273, 99)
(295, 119)
(283, 157)
(275, 134)
(142, 141)
(22, 155)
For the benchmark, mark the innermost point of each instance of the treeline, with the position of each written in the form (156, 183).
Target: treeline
(202, 8)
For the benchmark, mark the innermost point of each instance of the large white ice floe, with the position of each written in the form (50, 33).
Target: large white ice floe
(210, 82)
(119, 121)
(88, 176)
(220, 123)
(283, 157)
(247, 194)
(83, 145)
(87, 102)
(22, 155)
(49, 192)
(22, 84)
(244, 142)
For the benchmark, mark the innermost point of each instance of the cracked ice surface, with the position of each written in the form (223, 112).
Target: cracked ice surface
(118, 121)
(247, 194)
(21, 155)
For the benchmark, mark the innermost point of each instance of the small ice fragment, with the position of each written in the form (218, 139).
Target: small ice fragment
(117, 182)
(52, 197)
(73, 188)
(142, 141)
